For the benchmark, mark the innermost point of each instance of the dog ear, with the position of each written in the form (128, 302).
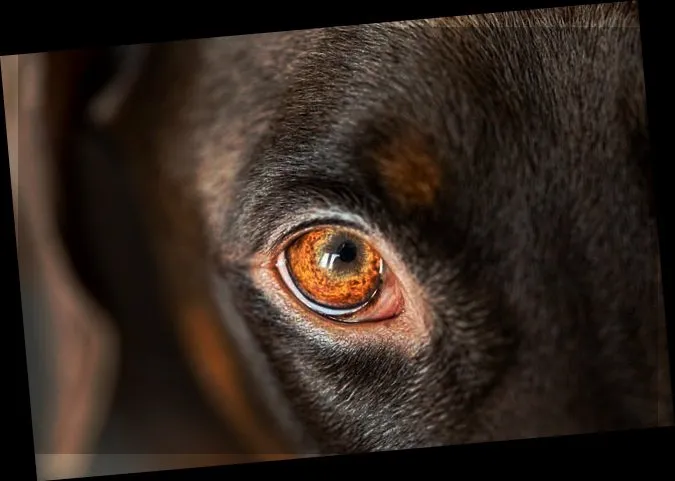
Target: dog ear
(82, 224)
(70, 340)
(222, 357)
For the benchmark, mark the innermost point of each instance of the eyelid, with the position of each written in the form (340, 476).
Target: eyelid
(286, 233)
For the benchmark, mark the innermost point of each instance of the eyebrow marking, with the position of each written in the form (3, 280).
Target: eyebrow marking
(408, 170)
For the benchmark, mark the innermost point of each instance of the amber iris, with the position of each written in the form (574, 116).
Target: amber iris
(334, 268)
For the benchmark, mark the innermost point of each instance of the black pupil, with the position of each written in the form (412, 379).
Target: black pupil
(347, 251)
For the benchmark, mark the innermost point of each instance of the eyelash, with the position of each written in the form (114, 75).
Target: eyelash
(286, 236)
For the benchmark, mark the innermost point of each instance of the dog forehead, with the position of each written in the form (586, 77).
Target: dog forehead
(429, 74)
(331, 78)
(388, 56)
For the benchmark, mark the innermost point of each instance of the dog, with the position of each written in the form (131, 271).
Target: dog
(482, 184)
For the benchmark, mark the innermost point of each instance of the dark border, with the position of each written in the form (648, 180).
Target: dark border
(34, 34)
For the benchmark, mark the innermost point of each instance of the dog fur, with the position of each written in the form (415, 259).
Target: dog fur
(503, 157)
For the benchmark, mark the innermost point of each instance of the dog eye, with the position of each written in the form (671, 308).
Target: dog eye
(339, 275)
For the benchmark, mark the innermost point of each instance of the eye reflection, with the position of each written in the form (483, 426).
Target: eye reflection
(347, 252)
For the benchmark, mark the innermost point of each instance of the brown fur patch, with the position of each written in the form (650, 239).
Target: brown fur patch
(217, 370)
(180, 248)
(409, 170)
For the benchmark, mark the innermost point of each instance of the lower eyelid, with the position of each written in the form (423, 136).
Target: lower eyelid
(409, 331)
